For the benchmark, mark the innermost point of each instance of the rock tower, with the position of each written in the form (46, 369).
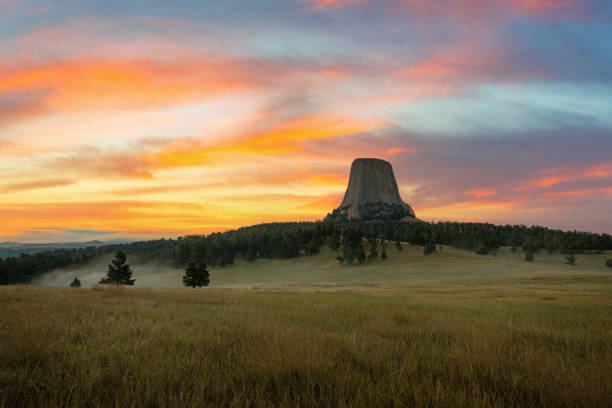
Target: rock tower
(372, 194)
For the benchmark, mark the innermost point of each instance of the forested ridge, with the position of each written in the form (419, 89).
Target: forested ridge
(287, 240)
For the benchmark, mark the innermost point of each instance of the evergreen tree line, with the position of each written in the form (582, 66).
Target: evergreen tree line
(289, 240)
(25, 267)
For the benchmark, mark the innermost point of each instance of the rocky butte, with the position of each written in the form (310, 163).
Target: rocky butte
(372, 194)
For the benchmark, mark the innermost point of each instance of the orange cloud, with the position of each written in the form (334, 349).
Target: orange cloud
(466, 211)
(443, 67)
(480, 193)
(81, 84)
(116, 84)
(398, 150)
(580, 193)
(17, 187)
(336, 72)
(111, 210)
(328, 179)
(18, 149)
(322, 205)
(93, 162)
(284, 138)
(561, 175)
(116, 215)
(444, 73)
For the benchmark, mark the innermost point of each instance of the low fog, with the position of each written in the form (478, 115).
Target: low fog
(147, 274)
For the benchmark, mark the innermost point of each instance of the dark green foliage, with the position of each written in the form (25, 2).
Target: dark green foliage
(119, 272)
(352, 247)
(373, 255)
(609, 263)
(334, 241)
(530, 247)
(314, 247)
(487, 245)
(398, 245)
(516, 240)
(75, 283)
(383, 254)
(429, 248)
(196, 275)
(25, 267)
(251, 254)
(571, 259)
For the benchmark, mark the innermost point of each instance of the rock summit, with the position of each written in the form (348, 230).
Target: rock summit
(372, 194)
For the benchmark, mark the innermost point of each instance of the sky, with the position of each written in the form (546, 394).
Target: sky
(148, 119)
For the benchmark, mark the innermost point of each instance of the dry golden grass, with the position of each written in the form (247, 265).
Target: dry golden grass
(515, 341)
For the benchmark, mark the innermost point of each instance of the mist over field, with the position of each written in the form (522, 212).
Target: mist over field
(406, 266)
(147, 274)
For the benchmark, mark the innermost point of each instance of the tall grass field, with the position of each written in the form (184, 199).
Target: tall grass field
(506, 335)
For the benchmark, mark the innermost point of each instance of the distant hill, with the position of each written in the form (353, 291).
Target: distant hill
(16, 248)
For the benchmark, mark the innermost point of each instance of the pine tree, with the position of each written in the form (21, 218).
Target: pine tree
(119, 272)
(75, 283)
(196, 275)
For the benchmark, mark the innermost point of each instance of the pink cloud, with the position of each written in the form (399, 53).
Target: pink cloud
(469, 9)
(329, 4)
(555, 176)
(480, 192)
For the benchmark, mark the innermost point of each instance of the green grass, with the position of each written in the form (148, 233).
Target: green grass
(451, 330)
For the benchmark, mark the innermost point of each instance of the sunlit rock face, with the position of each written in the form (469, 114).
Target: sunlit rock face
(372, 194)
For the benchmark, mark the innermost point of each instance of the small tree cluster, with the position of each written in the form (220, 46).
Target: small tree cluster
(76, 283)
(429, 248)
(571, 259)
(487, 245)
(373, 255)
(351, 247)
(530, 248)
